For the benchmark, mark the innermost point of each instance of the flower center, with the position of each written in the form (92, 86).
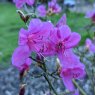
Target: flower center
(60, 46)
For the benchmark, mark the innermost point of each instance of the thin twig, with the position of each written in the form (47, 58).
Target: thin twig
(36, 60)
(80, 89)
(50, 85)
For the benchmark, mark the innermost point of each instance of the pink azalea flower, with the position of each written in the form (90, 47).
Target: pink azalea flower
(72, 68)
(20, 57)
(42, 10)
(91, 15)
(30, 40)
(20, 3)
(54, 7)
(89, 45)
(62, 21)
(62, 38)
(37, 33)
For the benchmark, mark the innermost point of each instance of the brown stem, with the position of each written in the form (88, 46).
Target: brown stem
(22, 89)
(22, 85)
(80, 89)
(50, 85)
(36, 60)
(43, 67)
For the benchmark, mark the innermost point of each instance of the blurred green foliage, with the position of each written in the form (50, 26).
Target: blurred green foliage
(91, 1)
(10, 23)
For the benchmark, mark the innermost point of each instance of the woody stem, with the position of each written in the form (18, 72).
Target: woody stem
(43, 67)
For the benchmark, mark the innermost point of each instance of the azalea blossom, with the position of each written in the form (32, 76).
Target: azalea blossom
(20, 3)
(31, 40)
(91, 15)
(89, 45)
(64, 39)
(53, 7)
(60, 39)
(72, 68)
(36, 34)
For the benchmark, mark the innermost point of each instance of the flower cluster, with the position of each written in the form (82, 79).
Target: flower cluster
(53, 8)
(45, 39)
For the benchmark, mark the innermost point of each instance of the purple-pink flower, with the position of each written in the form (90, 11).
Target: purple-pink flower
(20, 3)
(36, 34)
(62, 38)
(72, 68)
(91, 15)
(89, 45)
(54, 7)
(31, 40)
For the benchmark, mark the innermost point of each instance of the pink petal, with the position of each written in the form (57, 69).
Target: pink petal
(46, 29)
(25, 65)
(90, 45)
(73, 40)
(68, 83)
(57, 9)
(64, 32)
(92, 48)
(23, 37)
(90, 14)
(76, 92)
(62, 21)
(19, 3)
(20, 55)
(55, 1)
(35, 25)
(42, 10)
(28, 61)
(47, 49)
(88, 42)
(54, 36)
(30, 2)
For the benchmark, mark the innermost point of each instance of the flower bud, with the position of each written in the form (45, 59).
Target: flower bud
(22, 89)
(24, 17)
